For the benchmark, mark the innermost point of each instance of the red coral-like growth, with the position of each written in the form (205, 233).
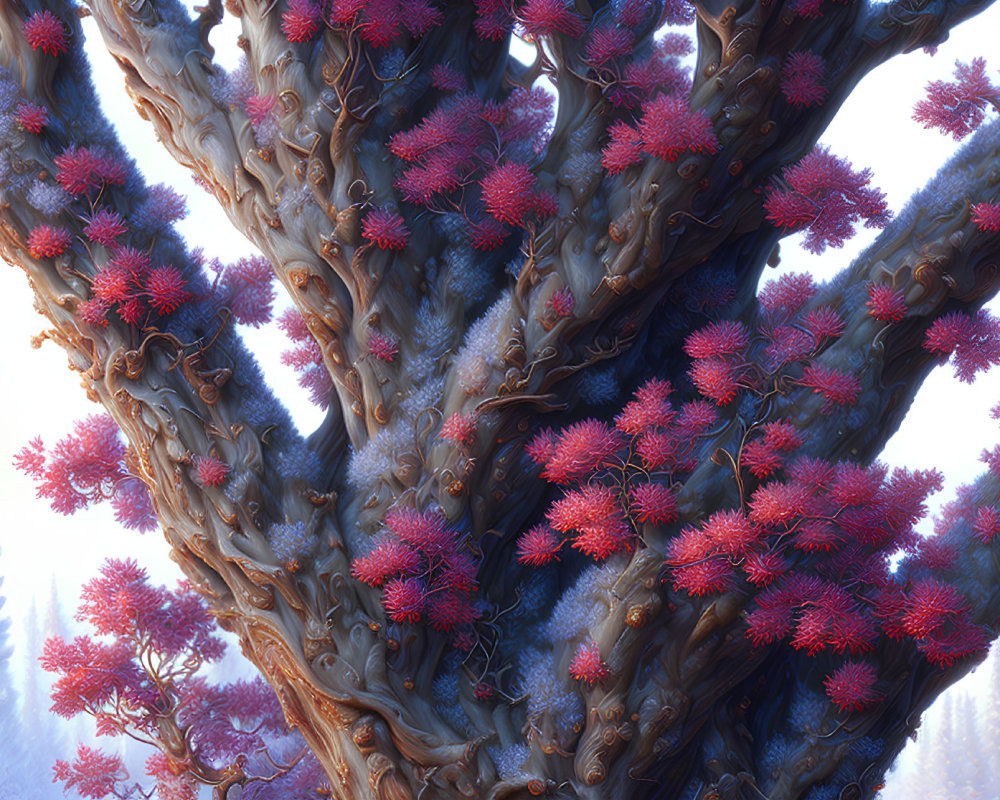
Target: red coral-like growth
(801, 79)
(958, 108)
(45, 30)
(47, 242)
(986, 216)
(538, 546)
(210, 471)
(885, 303)
(386, 228)
(587, 666)
(383, 346)
(852, 686)
(32, 117)
(301, 21)
(826, 198)
(166, 289)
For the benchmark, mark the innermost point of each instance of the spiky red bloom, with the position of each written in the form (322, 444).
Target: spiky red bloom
(386, 228)
(653, 503)
(623, 150)
(105, 227)
(717, 339)
(110, 285)
(762, 569)
(782, 435)
(259, 107)
(958, 108)
(547, 17)
(931, 604)
(658, 449)
(715, 379)
(32, 117)
(669, 128)
(852, 687)
(404, 599)
(761, 459)
(132, 310)
(824, 322)
(826, 198)
(135, 262)
(82, 169)
(561, 302)
(427, 531)
(509, 192)
(382, 345)
(650, 409)
(446, 79)
(47, 242)
(542, 446)
(608, 42)
(388, 557)
(731, 532)
(986, 524)
(165, 287)
(706, 577)
(449, 610)
(836, 387)
(459, 427)
(300, 21)
(973, 341)
(581, 449)
(210, 471)
(93, 312)
(587, 666)
(986, 216)
(593, 511)
(801, 79)
(885, 303)
(539, 545)
(45, 30)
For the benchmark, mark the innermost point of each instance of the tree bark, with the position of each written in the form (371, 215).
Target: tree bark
(693, 711)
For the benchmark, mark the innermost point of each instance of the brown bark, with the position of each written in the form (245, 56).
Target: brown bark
(687, 685)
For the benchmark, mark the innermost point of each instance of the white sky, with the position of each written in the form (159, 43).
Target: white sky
(947, 428)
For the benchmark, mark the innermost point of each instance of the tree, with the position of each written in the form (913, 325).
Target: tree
(143, 677)
(468, 274)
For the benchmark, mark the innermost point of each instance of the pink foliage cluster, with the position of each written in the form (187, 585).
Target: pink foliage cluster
(45, 31)
(619, 477)
(425, 571)
(246, 286)
(306, 358)
(143, 678)
(958, 107)
(385, 228)
(377, 22)
(472, 154)
(728, 357)
(131, 285)
(819, 543)
(88, 467)
(802, 78)
(885, 303)
(666, 129)
(81, 170)
(823, 196)
(627, 79)
(587, 666)
(973, 343)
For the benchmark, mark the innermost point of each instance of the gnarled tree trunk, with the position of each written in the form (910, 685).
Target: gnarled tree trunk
(692, 706)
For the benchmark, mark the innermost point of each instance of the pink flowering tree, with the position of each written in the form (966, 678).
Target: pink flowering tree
(141, 673)
(587, 516)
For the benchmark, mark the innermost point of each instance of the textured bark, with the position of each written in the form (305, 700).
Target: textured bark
(691, 704)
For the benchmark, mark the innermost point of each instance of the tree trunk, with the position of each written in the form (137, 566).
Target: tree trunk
(692, 710)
